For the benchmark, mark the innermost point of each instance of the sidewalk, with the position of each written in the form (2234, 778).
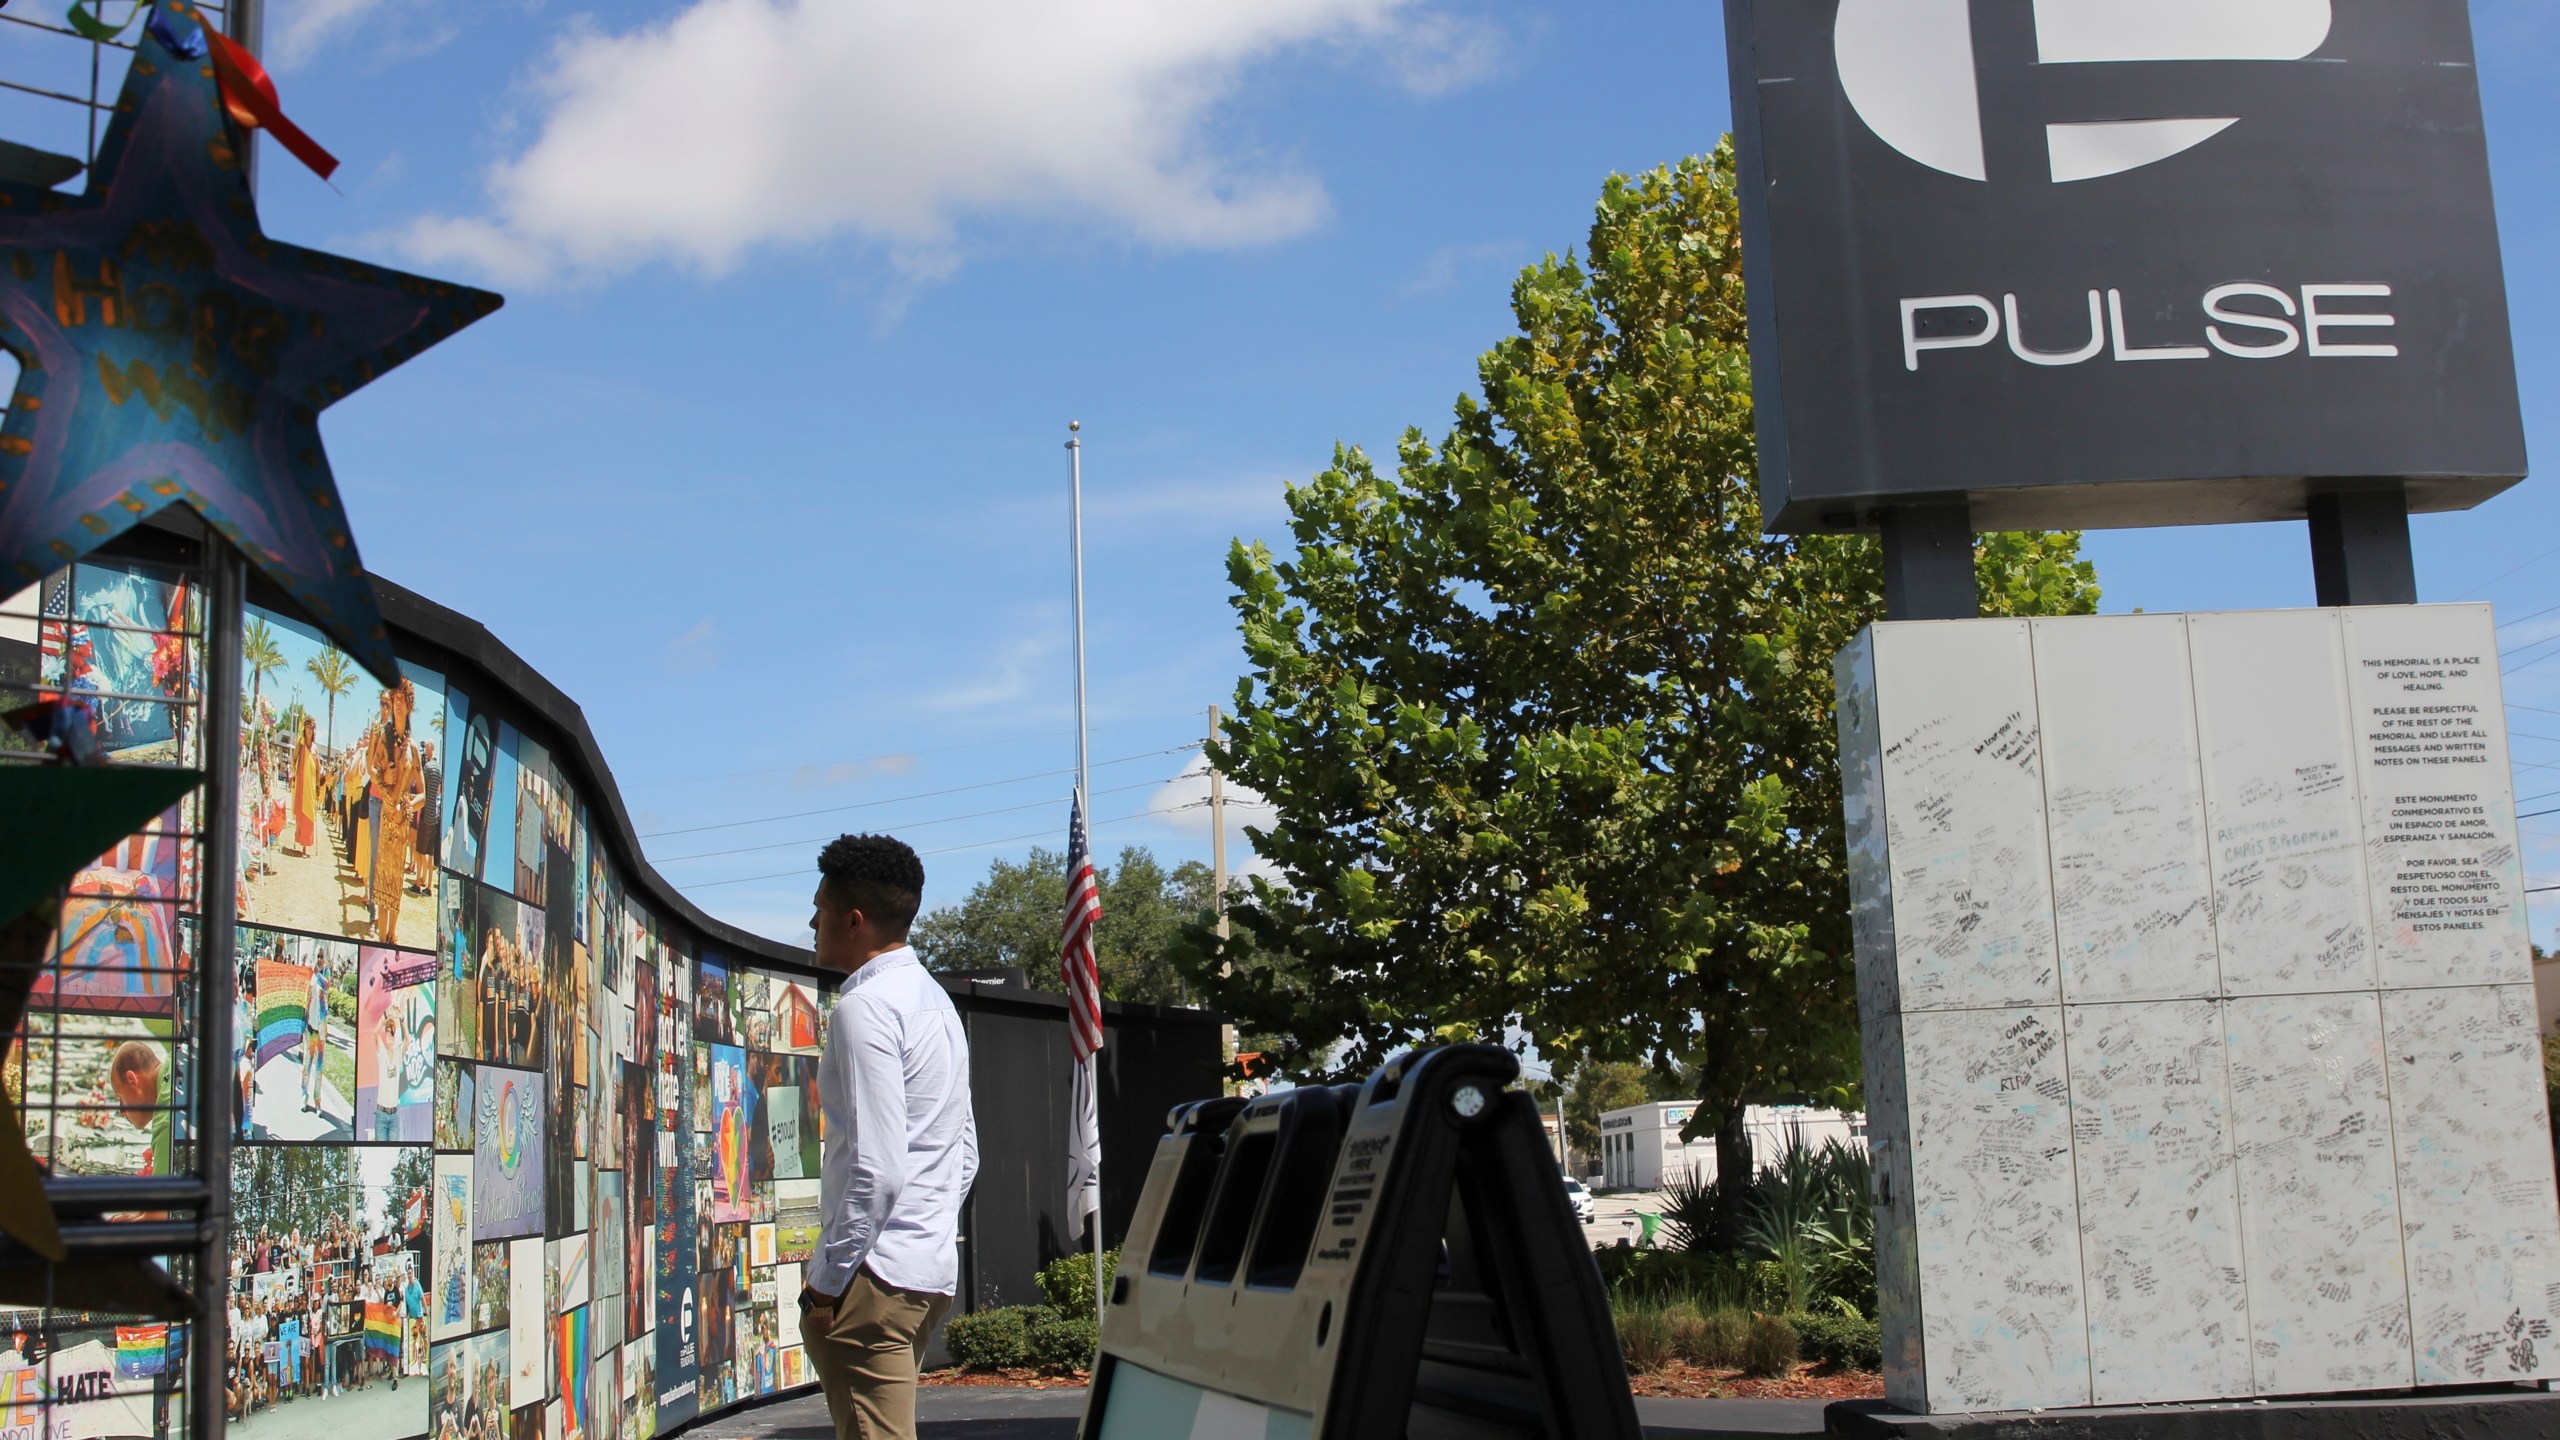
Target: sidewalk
(958, 1413)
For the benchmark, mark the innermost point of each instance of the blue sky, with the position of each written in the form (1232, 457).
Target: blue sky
(762, 462)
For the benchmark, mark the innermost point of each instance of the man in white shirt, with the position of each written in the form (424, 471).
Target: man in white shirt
(900, 1148)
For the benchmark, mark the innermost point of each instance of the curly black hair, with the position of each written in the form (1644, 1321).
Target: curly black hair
(877, 875)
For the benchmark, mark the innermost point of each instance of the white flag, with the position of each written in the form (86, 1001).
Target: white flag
(1084, 1146)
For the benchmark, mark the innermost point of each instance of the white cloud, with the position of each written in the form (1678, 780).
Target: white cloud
(695, 649)
(1182, 803)
(303, 26)
(843, 772)
(741, 124)
(1439, 274)
(1010, 676)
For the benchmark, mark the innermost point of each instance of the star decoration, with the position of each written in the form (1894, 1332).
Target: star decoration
(170, 352)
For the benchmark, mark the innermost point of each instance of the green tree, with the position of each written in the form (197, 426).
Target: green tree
(279, 1189)
(1012, 917)
(1598, 1088)
(335, 675)
(259, 655)
(412, 1173)
(1545, 719)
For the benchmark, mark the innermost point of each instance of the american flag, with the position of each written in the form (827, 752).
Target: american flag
(1076, 965)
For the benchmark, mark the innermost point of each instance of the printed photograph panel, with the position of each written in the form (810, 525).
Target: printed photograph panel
(95, 1091)
(395, 1046)
(122, 944)
(451, 1305)
(111, 635)
(327, 1311)
(507, 1189)
(295, 1024)
(467, 1387)
(491, 984)
(340, 785)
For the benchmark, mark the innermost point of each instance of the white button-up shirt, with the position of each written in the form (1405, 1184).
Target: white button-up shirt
(901, 1142)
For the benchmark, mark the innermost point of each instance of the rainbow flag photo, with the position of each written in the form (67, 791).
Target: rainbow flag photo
(283, 1009)
(141, 1351)
(381, 1329)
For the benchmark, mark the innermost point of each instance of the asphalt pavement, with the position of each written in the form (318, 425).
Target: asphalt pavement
(1614, 1216)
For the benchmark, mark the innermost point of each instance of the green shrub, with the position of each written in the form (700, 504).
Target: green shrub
(1839, 1342)
(1684, 1328)
(1723, 1337)
(1770, 1348)
(1062, 1341)
(992, 1339)
(1068, 1280)
(1712, 1281)
(1771, 1287)
(1644, 1337)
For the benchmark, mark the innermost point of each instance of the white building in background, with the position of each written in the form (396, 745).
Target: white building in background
(1640, 1145)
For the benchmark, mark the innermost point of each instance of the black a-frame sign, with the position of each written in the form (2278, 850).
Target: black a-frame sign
(1382, 1261)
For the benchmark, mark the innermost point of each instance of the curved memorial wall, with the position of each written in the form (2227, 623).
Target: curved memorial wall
(523, 1150)
(525, 1145)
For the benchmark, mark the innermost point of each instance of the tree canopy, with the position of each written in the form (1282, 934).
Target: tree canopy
(1013, 917)
(1546, 721)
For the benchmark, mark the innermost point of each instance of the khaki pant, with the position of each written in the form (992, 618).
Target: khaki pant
(867, 1357)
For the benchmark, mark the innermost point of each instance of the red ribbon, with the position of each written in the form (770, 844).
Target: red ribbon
(251, 98)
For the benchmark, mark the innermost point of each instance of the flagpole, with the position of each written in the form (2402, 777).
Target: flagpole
(1084, 787)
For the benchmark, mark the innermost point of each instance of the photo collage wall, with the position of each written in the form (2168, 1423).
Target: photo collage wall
(517, 1159)
(101, 1069)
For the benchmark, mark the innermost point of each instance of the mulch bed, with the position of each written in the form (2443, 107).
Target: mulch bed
(1007, 1379)
(1678, 1380)
(1683, 1381)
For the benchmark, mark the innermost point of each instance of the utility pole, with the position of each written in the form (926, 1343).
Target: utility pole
(1218, 831)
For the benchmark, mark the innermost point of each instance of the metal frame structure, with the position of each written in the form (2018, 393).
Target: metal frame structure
(181, 1219)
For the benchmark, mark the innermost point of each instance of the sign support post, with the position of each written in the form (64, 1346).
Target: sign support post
(1928, 561)
(2360, 547)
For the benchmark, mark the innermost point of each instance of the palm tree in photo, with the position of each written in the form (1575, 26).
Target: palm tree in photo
(260, 656)
(335, 676)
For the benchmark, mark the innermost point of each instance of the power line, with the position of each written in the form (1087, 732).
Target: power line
(954, 849)
(899, 754)
(2529, 564)
(902, 825)
(2529, 664)
(2536, 615)
(920, 795)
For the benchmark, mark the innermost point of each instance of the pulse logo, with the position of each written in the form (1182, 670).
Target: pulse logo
(1908, 67)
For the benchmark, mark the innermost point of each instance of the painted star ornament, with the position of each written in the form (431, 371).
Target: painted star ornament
(171, 353)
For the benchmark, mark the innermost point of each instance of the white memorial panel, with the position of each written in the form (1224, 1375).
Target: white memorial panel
(2187, 1166)
(1898, 1294)
(2159, 1202)
(2328, 1305)
(2439, 808)
(2476, 1185)
(1862, 831)
(2280, 798)
(1997, 1225)
(2132, 885)
(1964, 817)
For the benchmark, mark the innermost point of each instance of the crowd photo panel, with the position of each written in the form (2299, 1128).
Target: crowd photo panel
(518, 1158)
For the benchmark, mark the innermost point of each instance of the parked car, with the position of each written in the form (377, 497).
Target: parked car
(1581, 1198)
